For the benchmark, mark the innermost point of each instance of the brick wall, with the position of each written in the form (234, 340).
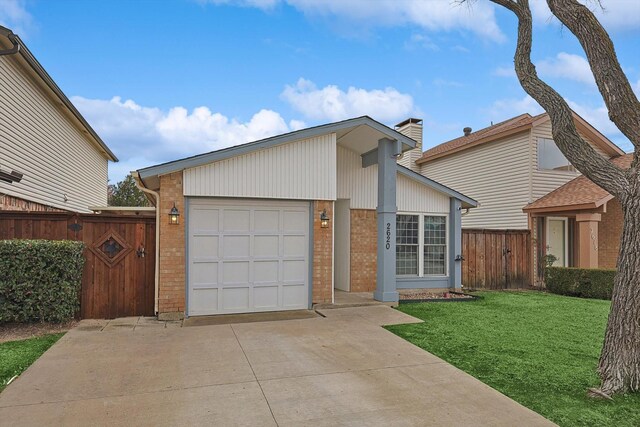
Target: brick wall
(172, 249)
(364, 246)
(609, 233)
(10, 203)
(322, 253)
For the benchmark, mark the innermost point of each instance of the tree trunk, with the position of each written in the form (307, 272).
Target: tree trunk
(619, 365)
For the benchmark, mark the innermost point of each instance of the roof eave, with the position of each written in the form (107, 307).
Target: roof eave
(214, 156)
(26, 54)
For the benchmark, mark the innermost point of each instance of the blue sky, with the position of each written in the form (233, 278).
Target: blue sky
(160, 80)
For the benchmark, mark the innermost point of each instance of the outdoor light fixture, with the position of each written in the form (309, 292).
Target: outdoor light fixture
(324, 219)
(174, 215)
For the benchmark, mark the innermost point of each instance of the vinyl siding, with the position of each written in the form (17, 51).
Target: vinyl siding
(360, 185)
(40, 141)
(495, 174)
(546, 181)
(304, 170)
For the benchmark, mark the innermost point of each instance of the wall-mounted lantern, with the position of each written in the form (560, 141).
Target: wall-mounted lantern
(324, 219)
(174, 215)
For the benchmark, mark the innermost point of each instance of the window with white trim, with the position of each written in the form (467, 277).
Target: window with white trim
(551, 158)
(421, 245)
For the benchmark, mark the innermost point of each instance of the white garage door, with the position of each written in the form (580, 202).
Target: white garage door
(247, 256)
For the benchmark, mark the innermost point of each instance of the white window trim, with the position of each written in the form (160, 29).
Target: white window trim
(421, 216)
(558, 171)
(566, 236)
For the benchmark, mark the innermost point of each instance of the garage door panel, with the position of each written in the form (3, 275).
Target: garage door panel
(206, 218)
(266, 220)
(265, 271)
(204, 246)
(266, 246)
(235, 272)
(236, 298)
(295, 246)
(203, 272)
(266, 297)
(236, 246)
(202, 300)
(296, 221)
(292, 295)
(247, 255)
(237, 220)
(294, 271)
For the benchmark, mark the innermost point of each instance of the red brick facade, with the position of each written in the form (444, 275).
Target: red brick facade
(10, 203)
(609, 234)
(322, 254)
(364, 246)
(172, 249)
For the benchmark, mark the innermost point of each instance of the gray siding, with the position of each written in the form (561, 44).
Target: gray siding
(495, 174)
(38, 139)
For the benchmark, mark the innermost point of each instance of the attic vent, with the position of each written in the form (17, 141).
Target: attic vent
(467, 131)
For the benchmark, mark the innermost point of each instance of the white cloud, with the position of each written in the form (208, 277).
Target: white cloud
(568, 66)
(420, 41)
(332, 103)
(14, 15)
(504, 109)
(505, 72)
(614, 14)
(440, 15)
(141, 136)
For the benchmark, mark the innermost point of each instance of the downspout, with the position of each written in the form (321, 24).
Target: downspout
(156, 196)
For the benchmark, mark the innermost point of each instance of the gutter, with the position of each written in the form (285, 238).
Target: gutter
(156, 196)
(19, 46)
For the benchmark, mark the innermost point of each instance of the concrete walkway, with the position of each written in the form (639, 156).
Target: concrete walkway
(340, 370)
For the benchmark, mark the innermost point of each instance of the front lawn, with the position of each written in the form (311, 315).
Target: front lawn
(17, 356)
(539, 349)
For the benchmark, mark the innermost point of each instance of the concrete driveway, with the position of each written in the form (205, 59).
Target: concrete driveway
(340, 370)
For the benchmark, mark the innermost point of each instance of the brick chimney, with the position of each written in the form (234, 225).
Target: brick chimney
(413, 129)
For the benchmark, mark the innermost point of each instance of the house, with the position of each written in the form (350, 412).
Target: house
(512, 164)
(580, 224)
(281, 223)
(50, 158)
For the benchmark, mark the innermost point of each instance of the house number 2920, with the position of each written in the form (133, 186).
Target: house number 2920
(388, 245)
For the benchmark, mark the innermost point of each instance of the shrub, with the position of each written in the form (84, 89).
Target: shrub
(40, 280)
(580, 282)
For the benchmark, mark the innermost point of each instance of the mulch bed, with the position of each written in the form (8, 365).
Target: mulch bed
(23, 331)
(426, 296)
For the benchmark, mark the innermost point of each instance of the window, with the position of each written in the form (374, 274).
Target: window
(551, 158)
(435, 245)
(421, 245)
(407, 234)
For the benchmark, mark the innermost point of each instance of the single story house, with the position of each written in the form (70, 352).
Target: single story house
(277, 224)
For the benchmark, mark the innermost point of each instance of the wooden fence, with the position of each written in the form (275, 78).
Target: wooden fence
(496, 259)
(118, 276)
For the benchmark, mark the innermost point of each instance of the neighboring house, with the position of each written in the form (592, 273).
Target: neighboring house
(279, 223)
(58, 162)
(579, 223)
(508, 166)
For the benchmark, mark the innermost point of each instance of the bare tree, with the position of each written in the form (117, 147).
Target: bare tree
(619, 365)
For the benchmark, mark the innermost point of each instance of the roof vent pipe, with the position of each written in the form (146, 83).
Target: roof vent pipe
(467, 131)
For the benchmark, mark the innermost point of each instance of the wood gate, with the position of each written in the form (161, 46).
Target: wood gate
(496, 259)
(119, 272)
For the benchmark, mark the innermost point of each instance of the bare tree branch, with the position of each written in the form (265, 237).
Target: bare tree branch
(621, 101)
(575, 148)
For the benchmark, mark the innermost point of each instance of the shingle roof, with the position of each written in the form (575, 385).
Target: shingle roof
(523, 121)
(579, 193)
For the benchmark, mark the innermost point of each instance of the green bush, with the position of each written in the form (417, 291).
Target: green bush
(580, 282)
(40, 280)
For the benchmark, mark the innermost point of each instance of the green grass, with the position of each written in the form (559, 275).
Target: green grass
(17, 356)
(539, 349)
